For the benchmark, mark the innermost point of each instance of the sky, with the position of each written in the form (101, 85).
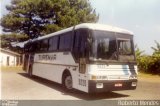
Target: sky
(142, 17)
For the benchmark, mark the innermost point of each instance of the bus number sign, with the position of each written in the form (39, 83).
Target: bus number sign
(82, 82)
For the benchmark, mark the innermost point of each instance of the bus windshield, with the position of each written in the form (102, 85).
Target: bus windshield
(105, 44)
(124, 46)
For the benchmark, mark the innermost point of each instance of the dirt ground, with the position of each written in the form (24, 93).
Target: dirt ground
(18, 85)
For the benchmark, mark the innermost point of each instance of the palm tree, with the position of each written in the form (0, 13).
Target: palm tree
(157, 48)
(138, 52)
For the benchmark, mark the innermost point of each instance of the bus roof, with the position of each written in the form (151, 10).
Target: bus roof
(96, 26)
(93, 26)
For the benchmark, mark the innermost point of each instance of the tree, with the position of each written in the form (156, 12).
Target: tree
(157, 48)
(39, 17)
(138, 52)
(7, 39)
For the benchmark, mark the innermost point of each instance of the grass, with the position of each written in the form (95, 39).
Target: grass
(149, 77)
(143, 74)
(11, 68)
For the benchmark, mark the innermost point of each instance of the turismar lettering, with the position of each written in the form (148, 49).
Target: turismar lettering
(47, 57)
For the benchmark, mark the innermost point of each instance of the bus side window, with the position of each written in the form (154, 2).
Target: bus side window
(65, 41)
(44, 45)
(82, 42)
(33, 47)
(79, 48)
(38, 46)
(82, 46)
(53, 43)
(76, 46)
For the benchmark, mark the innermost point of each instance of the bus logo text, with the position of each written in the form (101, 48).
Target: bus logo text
(47, 57)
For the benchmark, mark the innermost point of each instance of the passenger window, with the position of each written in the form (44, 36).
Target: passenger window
(65, 41)
(53, 43)
(44, 45)
(80, 43)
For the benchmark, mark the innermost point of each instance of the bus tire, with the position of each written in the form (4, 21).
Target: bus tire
(30, 71)
(67, 81)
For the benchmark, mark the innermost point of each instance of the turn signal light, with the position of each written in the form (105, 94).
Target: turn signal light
(94, 77)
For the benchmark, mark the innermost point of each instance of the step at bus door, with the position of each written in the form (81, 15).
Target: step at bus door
(82, 76)
(25, 62)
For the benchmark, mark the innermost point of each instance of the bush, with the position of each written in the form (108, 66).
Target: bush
(149, 64)
(154, 65)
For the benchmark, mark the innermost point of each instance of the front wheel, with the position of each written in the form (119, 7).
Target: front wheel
(68, 82)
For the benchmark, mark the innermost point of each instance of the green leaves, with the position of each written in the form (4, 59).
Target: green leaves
(149, 64)
(138, 52)
(51, 28)
(7, 39)
(39, 17)
(11, 23)
(157, 48)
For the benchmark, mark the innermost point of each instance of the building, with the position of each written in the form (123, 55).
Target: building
(9, 58)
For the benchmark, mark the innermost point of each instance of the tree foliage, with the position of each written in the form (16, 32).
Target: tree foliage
(157, 48)
(7, 39)
(39, 17)
(149, 64)
(138, 52)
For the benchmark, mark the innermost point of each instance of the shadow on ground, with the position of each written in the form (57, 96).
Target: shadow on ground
(74, 93)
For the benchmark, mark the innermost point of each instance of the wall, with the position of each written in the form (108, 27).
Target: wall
(3, 59)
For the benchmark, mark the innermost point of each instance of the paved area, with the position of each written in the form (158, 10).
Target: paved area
(18, 85)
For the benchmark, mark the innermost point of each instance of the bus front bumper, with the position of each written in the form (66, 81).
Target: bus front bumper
(108, 85)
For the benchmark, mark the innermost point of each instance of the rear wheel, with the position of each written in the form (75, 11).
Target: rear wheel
(68, 82)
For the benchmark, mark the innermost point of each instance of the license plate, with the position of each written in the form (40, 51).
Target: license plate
(118, 85)
(134, 83)
(99, 85)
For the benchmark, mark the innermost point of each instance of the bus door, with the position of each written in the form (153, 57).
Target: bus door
(25, 65)
(29, 56)
(82, 74)
(30, 61)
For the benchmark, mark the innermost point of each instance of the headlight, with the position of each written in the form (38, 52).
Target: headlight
(93, 77)
(133, 77)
